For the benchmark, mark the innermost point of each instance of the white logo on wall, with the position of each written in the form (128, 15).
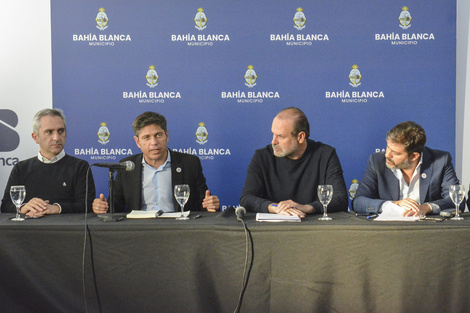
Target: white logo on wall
(200, 19)
(250, 96)
(250, 76)
(103, 39)
(355, 76)
(358, 96)
(299, 19)
(207, 154)
(405, 38)
(405, 18)
(103, 134)
(101, 19)
(152, 77)
(201, 39)
(304, 38)
(158, 96)
(97, 154)
(201, 134)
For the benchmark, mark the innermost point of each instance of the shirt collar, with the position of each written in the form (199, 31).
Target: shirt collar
(55, 159)
(168, 160)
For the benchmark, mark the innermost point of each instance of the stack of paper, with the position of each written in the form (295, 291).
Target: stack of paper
(395, 213)
(269, 217)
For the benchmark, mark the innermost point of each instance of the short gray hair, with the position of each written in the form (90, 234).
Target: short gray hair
(45, 112)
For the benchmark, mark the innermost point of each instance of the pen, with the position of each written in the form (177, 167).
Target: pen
(197, 216)
(372, 215)
(275, 205)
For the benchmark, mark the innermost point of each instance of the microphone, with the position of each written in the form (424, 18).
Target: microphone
(128, 165)
(240, 212)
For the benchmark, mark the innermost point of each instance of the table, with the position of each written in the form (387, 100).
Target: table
(350, 264)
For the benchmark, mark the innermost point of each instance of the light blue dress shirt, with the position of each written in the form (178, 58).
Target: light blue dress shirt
(157, 193)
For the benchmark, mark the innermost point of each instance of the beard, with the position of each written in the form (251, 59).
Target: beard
(406, 164)
(285, 153)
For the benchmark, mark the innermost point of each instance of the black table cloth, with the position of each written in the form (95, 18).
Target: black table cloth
(350, 264)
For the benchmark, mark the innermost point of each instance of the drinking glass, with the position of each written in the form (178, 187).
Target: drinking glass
(457, 193)
(181, 193)
(325, 193)
(17, 194)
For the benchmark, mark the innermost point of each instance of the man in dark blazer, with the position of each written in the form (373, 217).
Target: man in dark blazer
(407, 174)
(157, 170)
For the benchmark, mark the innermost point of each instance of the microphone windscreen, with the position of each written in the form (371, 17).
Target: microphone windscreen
(129, 166)
(240, 212)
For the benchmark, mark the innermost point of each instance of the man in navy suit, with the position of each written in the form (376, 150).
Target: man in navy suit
(157, 170)
(408, 175)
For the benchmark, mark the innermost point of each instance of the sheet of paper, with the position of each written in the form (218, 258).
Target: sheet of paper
(141, 214)
(174, 214)
(269, 217)
(394, 213)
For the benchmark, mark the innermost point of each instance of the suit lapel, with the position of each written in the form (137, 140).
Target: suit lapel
(394, 185)
(176, 169)
(425, 176)
(176, 174)
(135, 181)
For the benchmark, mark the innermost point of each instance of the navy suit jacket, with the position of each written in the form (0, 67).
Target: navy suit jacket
(379, 184)
(185, 169)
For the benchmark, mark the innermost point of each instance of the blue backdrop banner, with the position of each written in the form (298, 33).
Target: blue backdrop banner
(219, 71)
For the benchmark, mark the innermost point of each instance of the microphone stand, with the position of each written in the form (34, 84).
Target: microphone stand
(111, 216)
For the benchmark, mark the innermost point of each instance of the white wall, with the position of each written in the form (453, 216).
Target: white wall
(462, 140)
(26, 75)
(25, 70)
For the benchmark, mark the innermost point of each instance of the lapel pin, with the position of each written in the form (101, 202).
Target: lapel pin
(64, 184)
(178, 169)
(423, 175)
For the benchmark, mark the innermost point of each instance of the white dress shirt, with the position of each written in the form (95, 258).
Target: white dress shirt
(410, 190)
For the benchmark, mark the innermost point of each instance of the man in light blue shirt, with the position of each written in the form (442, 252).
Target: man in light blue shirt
(156, 186)
(157, 170)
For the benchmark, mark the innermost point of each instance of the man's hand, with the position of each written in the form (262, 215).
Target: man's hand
(211, 203)
(422, 211)
(34, 206)
(412, 208)
(100, 206)
(289, 207)
(38, 207)
(50, 209)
